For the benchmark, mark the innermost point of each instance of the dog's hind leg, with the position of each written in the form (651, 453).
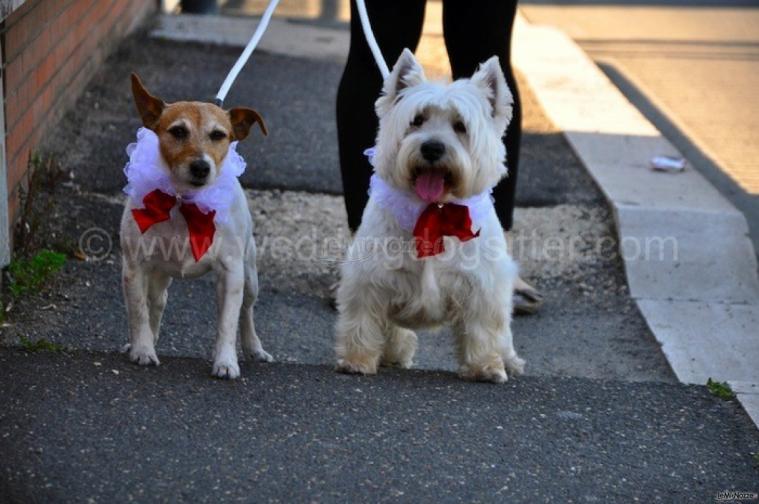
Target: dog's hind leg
(400, 347)
(251, 344)
(158, 285)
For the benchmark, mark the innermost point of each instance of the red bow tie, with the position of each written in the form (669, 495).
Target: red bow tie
(437, 221)
(200, 226)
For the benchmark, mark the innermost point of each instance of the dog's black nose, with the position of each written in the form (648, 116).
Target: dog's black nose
(432, 150)
(200, 168)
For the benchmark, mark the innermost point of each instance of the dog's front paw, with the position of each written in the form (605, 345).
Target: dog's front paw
(357, 366)
(400, 364)
(143, 355)
(259, 356)
(399, 349)
(493, 373)
(227, 370)
(515, 365)
(225, 364)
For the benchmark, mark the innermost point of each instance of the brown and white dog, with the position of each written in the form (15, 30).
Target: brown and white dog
(187, 215)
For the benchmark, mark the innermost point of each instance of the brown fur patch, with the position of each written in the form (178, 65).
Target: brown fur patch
(201, 119)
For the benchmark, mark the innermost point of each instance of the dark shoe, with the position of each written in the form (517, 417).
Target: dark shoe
(527, 299)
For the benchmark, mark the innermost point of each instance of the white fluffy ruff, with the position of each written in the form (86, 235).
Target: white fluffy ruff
(386, 291)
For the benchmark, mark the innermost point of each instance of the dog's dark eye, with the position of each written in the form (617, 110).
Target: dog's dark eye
(459, 127)
(179, 132)
(217, 135)
(418, 120)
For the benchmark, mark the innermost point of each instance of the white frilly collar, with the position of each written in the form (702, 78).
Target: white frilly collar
(406, 207)
(146, 171)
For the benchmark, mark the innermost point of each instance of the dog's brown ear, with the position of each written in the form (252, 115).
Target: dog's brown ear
(149, 107)
(242, 119)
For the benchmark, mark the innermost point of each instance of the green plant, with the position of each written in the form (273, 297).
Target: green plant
(720, 389)
(30, 274)
(40, 345)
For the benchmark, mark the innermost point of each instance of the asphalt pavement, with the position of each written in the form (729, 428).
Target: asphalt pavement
(91, 427)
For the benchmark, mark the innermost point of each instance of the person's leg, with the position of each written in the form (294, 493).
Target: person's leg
(475, 31)
(397, 24)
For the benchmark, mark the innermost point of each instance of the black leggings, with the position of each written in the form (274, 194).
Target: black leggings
(473, 31)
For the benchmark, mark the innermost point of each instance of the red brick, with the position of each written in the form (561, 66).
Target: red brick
(12, 205)
(15, 105)
(81, 8)
(102, 8)
(45, 71)
(74, 12)
(21, 12)
(15, 38)
(69, 42)
(59, 24)
(18, 167)
(86, 24)
(12, 108)
(35, 53)
(57, 29)
(52, 8)
(47, 97)
(59, 7)
(24, 96)
(38, 110)
(17, 136)
(35, 20)
(69, 15)
(35, 107)
(14, 74)
(40, 128)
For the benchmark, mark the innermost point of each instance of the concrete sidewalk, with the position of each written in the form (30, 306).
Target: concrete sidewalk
(589, 328)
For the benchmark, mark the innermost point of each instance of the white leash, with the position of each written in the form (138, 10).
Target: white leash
(261, 29)
(235, 71)
(369, 34)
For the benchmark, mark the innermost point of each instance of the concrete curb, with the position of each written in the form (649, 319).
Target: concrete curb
(689, 262)
(282, 37)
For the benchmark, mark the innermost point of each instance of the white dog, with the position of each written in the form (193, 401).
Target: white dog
(187, 215)
(438, 155)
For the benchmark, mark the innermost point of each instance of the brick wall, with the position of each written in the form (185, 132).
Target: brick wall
(50, 50)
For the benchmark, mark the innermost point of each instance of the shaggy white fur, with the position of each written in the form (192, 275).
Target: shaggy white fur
(386, 291)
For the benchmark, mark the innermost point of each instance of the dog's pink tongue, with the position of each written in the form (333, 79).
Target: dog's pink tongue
(429, 186)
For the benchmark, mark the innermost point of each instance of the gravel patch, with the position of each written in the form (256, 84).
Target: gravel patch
(302, 237)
